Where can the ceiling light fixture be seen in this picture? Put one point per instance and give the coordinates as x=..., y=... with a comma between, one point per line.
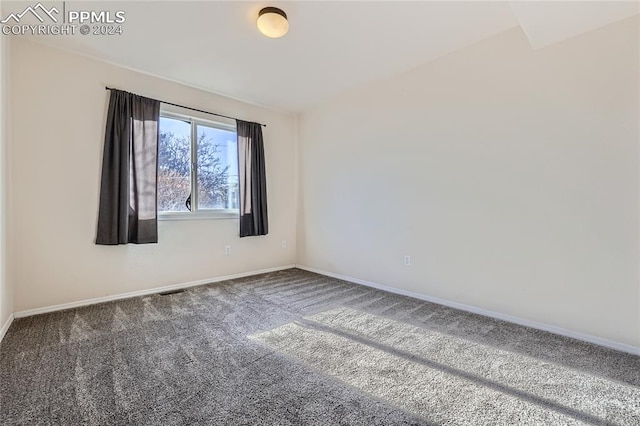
x=272, y=22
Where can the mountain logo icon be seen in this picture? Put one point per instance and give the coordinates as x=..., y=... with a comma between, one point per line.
x=38, y=11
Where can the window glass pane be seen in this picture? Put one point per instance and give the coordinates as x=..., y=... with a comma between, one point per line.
x=174, y=165
x=217, y=168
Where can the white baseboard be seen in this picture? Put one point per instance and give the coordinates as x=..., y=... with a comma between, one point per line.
x=623, y=347
x=87, y=302
x=5, y=327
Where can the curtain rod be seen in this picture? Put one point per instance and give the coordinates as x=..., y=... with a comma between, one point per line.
x=192, y=109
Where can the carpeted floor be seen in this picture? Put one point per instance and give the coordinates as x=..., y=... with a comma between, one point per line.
x=295, y=348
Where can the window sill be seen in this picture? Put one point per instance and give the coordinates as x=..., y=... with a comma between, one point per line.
x=201, y=215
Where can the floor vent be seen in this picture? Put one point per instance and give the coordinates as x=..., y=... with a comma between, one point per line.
x=168, y=293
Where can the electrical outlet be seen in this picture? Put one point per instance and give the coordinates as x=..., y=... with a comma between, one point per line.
x=227, y=250
x=284, y=243
x=407, y=261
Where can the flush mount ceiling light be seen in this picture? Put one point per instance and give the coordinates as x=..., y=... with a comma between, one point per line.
x=272, y=22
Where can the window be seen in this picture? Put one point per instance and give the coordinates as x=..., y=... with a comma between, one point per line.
x=197, y=168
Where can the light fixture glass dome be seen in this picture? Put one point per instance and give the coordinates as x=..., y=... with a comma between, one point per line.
x=272, y=22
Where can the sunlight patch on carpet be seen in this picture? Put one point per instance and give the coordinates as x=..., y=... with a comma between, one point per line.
x=443, y=378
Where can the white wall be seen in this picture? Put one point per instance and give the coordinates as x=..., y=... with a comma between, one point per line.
x=58, y=118
x=6, y=293
x=510, y=176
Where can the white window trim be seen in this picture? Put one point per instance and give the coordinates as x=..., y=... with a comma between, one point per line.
x=198, y=214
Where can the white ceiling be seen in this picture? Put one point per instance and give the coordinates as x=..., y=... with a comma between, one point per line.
x=549, y=22
x=331, y=47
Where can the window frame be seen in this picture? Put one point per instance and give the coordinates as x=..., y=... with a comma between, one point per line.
x=196, y=213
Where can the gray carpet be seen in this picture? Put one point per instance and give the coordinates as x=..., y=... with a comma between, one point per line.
x=295, y=348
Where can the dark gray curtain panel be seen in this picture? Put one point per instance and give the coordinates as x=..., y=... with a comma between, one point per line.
x=253, y=180
x=128, y=200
